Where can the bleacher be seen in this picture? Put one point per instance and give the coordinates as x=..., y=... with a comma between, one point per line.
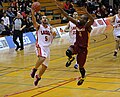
x=49, y=8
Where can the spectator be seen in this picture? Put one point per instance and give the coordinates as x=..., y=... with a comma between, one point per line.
x=98, y=13
x=111, y=11
x=6, y=20
x=3, y=29
x=68, y=7
x=11, y=15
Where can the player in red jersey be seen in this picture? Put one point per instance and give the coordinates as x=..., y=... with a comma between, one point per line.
x=81, y=44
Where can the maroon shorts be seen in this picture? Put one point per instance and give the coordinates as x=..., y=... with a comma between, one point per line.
x=81, y=54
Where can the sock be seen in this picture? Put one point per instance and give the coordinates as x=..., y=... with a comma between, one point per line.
x=82, y=71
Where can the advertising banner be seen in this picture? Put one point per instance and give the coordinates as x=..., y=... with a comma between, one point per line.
x=3, y=43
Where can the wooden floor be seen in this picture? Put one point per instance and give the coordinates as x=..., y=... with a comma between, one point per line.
x=102, y=79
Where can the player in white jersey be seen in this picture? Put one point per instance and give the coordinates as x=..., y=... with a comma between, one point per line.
x=116, y=33
x=45, y=35
x=71, y=28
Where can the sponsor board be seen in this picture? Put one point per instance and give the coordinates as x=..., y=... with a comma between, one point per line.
x=98, y=23
x=28, y=38
x=97, y=31
x=60, y=30
x=3, y=43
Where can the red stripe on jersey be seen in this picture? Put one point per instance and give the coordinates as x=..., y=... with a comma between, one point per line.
x=39, y=51
x=37, y=39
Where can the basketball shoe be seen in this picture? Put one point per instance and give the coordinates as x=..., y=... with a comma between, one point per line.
x=36, y=80
x=76, y=66
x=80, y=82
x=115, y=54
x=33, y=72
x=69, y=61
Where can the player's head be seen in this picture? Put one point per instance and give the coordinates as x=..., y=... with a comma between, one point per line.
x=44, y=20
x=75, y=15
x=119, y=11
x=83, y=19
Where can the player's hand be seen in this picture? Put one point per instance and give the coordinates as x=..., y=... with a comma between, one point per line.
x=32, y=11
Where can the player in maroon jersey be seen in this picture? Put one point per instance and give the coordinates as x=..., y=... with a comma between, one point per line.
x=81, y=44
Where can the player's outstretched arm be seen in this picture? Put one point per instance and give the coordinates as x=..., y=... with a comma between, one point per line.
x=65, y=14
x=91, y=21
x=67, y=28
x=35, y=24
x=53, y=32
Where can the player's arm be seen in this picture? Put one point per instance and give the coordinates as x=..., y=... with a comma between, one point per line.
x=67, y=27
x=91, y=19
x=113, y=21
x=52, y=31
x=65, y=14
x=35, y=24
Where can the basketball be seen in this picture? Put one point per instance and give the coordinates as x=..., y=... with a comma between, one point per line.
x=36, y=6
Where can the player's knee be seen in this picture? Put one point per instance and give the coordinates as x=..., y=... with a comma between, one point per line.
x=68, y=53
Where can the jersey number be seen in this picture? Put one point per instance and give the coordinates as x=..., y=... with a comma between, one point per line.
x=46, y=38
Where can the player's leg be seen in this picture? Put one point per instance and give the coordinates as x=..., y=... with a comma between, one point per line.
x=41, y=58
x=117, y=46
x=69, y=53
x=41, y=72
x=43, y=67
x=38, y=63
x=81, y=59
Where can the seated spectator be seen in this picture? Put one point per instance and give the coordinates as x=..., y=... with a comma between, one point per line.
x=111, y=11
x=98, y=13
x=104, y=11
x=6, y=20
x=68, y=7
x=4, y=29
x=11, y=15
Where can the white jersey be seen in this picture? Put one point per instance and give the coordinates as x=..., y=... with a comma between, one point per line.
x=44, y=36
x=72, y=32
x=117, y=24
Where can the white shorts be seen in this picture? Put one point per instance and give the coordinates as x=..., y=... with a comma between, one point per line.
x=43, y=52
x=116, y=34
x=72, y=40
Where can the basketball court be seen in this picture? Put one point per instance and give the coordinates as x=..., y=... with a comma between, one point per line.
x=102, y=78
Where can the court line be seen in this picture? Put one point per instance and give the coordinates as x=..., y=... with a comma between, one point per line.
x=63, y=83
x=55, y=59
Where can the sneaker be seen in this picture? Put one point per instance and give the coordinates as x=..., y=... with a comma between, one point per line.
x=17, y=48
x=115, y=54
x=76, y=66
x=33, y=72
x=80, y=82
x=36, y=80
x=21, y=49
x=69, y=61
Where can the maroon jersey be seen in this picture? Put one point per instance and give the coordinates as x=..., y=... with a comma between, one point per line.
x=82, y=37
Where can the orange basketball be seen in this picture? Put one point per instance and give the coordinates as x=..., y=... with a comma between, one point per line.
x=36, y=6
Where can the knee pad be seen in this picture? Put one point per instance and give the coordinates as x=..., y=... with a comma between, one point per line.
x=68, y=53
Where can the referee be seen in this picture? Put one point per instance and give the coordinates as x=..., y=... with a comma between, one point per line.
x=18, y=26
